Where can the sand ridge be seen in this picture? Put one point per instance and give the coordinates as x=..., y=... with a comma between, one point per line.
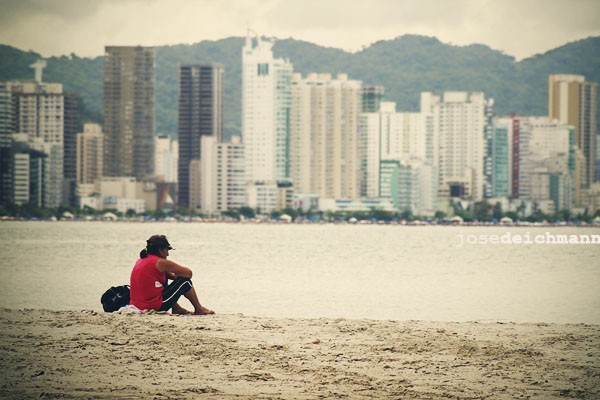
x=86, y=354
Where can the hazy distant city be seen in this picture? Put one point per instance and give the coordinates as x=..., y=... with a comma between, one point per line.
x=311, y=146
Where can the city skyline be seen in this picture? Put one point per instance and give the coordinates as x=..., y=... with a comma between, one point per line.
x=84, y=28
x=267, y=118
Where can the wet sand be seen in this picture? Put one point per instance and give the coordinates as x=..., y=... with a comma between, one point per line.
x=72, y=354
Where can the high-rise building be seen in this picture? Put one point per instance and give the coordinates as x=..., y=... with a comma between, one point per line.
x=71, y=129
x=324, y=135
x=371, y=97
x=489, y=154
x=391, y=135
x=552, y=153
x=459, y=121
x=500, y=159
x=223, y=184
x=6, y=131
x=200, y=114
x=266, y=91
x=90, y=152
x=39, y=113
x=410, y=185
x=167, y=151
x=573, y=101
x=516, y=156
x=129, y=112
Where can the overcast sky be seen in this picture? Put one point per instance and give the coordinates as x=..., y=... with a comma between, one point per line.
x=520, y=28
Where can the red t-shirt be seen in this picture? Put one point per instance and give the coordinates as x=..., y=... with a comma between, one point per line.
x=146, y=284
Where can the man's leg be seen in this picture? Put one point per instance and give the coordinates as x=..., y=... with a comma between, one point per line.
x=199, y=309
x=182, y=286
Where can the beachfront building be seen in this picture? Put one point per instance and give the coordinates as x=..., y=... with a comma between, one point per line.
x=459, y=120
x=305, y=202
x=489, y=152
x=195, y=181
x=552, y=160
x=391, y=135
x=573, y=101
x=499, y=162
x=200, y=113
x=266, y=106
x=27, y=168
x=6, y=132
x=166, y=159
x=124, y=194
x=39, y=113
x=410, y=185
x=129, y=112
x=349, y=205
x=266, y=90
x=49, y=118
x=261, y=196
x=519, y=135
x=90, y=159
x=323, y=135
x=222, y=184
x=70, y=131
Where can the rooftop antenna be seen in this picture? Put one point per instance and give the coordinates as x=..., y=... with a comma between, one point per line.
x=38, y=66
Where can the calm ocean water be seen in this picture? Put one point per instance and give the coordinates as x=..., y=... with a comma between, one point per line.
x=346, y=271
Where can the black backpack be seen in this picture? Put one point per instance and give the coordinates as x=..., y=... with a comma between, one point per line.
x=115, y=298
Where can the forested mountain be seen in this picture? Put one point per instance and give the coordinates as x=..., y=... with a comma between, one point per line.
x=405, y=66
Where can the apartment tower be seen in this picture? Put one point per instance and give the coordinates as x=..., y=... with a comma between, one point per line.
x=200, y=114
x=129, y=111
x=324, y=135
x=459, y=122
x=89, y=165
x=266, y=91
x=39, y=114
x=572, y=101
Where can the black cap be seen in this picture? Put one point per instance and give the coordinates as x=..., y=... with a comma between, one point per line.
x=159, y=241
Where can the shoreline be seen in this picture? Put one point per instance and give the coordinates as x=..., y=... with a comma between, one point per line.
x=86, y=354
x=416, y=223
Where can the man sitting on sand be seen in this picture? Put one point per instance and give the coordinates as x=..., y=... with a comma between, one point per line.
x=149, y=289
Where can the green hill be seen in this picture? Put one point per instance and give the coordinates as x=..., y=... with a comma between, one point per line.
x=405, y=66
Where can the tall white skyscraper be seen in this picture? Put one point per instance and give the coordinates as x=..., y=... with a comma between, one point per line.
x=266, y=89
x=459, y=122
x=324, y=135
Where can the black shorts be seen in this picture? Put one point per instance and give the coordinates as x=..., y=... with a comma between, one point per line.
x=172, y=292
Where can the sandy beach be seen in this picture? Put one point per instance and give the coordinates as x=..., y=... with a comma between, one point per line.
x=86, y=354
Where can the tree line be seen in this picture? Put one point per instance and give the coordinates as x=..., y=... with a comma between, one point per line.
x=481, y=211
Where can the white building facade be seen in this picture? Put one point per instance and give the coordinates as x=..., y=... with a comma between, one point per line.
x=166, y=159
x=266, y=89
x=324, y=135
x=222, y=175
x=459, y=120
x=552, y=153
x=39, y=113
x=90, y=145
x=396, y=158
